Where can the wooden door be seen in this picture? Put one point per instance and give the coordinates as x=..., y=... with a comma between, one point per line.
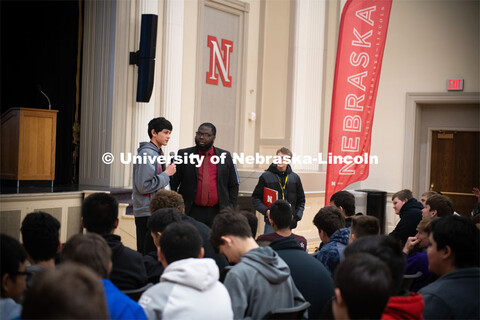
x=454, y=169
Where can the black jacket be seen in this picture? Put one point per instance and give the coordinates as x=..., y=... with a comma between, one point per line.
x=310, y=275
x=293, y=191
x=410, y=216
x=128, y=271
x=185, y=180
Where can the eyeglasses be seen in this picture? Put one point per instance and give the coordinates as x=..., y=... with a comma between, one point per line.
x=203, y=134
x=22, y=273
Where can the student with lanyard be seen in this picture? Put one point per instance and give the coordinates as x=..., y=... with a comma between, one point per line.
x=280, y=178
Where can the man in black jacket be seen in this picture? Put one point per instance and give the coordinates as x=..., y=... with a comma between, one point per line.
x=100, y=215
x=410, y=211
x=281, y=178
x=207, y=186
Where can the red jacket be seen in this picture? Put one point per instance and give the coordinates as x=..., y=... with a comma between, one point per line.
x=410, y=307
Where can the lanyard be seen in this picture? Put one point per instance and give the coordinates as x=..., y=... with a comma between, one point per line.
x=282, y=187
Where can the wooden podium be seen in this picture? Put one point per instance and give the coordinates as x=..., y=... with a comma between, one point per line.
x=28, y=139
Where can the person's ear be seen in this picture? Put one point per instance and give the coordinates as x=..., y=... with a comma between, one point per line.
x=447, y=253
x=83, y=224
x=153, y=133
x=110, y=266
x=434, y=213
x=338, y=298
x=342, y=210
x=339, y=308
x=161, y=257
x=5, y=281
x=352, y=236
x=227, y=240
x=115, y=225
x=156, y=238
x=271, y=222
x=59, y=248
x=201, y=254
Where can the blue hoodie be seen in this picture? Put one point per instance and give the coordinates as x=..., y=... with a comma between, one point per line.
x=331, y=253
x=120, y=306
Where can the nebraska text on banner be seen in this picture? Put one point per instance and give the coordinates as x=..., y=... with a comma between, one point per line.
x=363, y=31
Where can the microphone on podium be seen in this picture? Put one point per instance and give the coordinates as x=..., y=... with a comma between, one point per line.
x=39, y=87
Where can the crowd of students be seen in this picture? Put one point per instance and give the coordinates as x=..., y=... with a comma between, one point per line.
x=428, y=267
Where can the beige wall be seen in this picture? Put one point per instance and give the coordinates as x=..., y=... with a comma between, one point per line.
x=427, y=43
x=64, y=206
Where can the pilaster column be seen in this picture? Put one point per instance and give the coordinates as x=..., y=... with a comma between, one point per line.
x=308, y=79
x=172, y=66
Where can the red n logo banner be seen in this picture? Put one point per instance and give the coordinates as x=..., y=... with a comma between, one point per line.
x=363, y=32
x=219, y=62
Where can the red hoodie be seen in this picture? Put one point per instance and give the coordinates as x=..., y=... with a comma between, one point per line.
x=410, y=307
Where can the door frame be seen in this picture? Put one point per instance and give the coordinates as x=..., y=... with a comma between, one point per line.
x=429, y=150
x=411, y=152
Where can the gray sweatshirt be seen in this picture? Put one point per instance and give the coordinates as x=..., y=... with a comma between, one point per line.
x=146, y=179
x=260, y=283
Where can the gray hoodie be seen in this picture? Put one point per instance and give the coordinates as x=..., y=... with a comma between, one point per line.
x=146, y=179
x=260, y=283
x=188, y=289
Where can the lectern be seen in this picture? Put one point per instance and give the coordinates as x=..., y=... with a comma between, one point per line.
x=28, y=139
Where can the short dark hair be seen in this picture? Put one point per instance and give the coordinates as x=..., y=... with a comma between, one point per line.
x=386, y=248
x=40, y=235
x=180, y=240
x=365, y=285
x=99, y=212
x=252, y=221
x=461, y=235
x=88, y=249
x=346, y=200
x=329, y=219
x=281, y=213
x=442, y=204
x=285, y=151
x=209, y=125
x=158, y=124
x=12, y=254
x=161, y=218
x=167, y=199
x=403, y=194
x=365, y=226
x=229, y=222
x=70, y=291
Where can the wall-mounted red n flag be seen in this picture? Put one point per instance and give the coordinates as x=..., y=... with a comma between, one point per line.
x=363, y=32
x=219, y=62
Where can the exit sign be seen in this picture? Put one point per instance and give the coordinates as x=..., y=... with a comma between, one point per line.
x=455, y=84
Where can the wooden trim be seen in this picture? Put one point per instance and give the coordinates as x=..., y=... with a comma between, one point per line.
x=412, y=115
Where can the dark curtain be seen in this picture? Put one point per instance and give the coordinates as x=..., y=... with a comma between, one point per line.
x=39, y=46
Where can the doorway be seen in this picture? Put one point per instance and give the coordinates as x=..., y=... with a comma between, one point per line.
x=454, y=167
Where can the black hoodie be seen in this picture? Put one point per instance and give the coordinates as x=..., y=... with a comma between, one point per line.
x=294, y=194
x=128, y=270
x=410, y=216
